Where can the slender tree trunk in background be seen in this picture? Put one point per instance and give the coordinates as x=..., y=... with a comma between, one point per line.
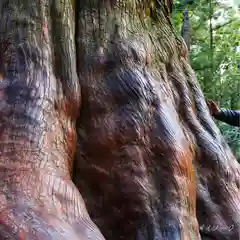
x=39, y=103
x=185, y=31
x=211, y=44
x=149, y=154
x=208, y=78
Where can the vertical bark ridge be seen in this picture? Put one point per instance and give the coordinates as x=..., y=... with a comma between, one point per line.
x=63, y=33
x=218, y=173
x=38, y=137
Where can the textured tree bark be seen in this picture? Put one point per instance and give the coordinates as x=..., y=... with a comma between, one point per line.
x=39, y=103
x=151, y=163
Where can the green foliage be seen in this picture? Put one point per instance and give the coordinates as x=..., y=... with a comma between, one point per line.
x=232, y=136
x=215, y=55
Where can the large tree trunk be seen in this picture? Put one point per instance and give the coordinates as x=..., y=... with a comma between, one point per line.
x=39, y=103
x=151, y=163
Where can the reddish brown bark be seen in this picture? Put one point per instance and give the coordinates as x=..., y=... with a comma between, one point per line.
x=151, y=162
x=39, y=102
